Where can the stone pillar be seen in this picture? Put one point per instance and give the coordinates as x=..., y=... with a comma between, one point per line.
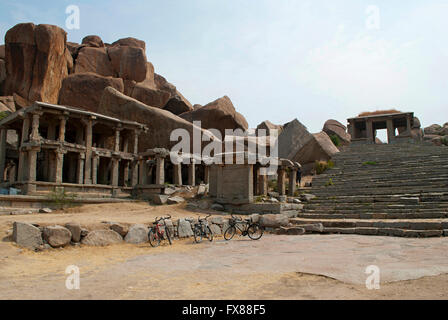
x=281, y=181
x=262, y=185
x=3, y=133
x=59, y=154
x=390, y=130
x=117, y=140
x=35, y=127
x=134, y=173
x=177, y=172
x=31, y=165
x=80, y=169
x=114, y=173
x=408, y=125
x=369, y=131
x=62, y=124
x=206, y=174
x=192, y=173
x=88, y=162
x=135, y=146
x=292, y=181
x=94, y=168
x=125, y=173
x=22, y=154
x=25, y=129
x=30, y=171
x=142, y=171
x=160, y=170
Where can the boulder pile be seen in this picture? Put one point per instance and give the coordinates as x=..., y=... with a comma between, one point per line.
x=37, y=63
x=436, y=134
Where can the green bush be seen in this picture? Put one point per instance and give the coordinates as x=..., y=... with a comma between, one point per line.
x=272, y=185
x=370, y=163
x=321, y=166
x=336, y=140
x=3, y=114
x=61, y=199
x=445, y=141
x=329, y=183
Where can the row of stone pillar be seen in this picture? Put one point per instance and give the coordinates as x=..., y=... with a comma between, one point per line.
x=262, y=182
x=177, y=172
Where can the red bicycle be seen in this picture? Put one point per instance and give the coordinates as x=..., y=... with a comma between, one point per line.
x=159, y=231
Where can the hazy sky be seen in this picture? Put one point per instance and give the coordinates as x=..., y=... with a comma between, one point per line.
x=279, y=60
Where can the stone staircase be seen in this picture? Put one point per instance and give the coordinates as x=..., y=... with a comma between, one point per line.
x=392, y=190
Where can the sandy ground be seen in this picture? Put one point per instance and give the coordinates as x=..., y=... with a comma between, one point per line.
x=275, y=267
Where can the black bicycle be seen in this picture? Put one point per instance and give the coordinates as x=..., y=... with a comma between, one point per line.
x=159, y=231
x=247, y=228
x=201, y=229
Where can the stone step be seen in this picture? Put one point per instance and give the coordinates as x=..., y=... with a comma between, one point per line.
x=334, y=191
x=374, y=215
x=402, y=228
x=416, y=224
x=392, y=209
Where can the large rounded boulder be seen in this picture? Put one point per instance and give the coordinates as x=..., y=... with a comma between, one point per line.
x=84, y=90
x=36, y=61
x=335, y=128
x=219, y=114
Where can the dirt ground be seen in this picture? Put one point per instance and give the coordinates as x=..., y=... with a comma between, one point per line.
x=271, y=268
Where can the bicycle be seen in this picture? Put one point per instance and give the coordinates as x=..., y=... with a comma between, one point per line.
x=247, y=228
x=202, y=229
x=157, y=233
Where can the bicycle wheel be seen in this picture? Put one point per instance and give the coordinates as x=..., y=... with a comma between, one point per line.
x=229, y=233
x=154, y=239
x=254, y=231
x=209, y=233
x=197, y=234
x=168, y=235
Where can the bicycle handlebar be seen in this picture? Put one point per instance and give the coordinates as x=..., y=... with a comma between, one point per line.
x=203, y=219
x=162, y=218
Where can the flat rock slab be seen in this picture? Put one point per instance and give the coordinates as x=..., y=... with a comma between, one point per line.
x=341, y=257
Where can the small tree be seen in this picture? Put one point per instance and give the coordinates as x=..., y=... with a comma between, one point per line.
x=336, y=140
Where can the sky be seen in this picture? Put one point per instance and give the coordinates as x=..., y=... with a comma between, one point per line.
x=278, y=59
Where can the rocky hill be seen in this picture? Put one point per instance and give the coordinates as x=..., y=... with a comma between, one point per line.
x=38, y=64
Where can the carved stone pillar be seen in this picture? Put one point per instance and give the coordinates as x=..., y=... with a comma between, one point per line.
x=114, y=173
x=390, y=130
x=62, y=124
x=262, y=185
x=3, y=133
x=80, y=169
x=59, y=161
x=206, y=174
x=35, y=127
x=177, y=172
x=160, y=170
x=88, y=162
x=369, y=132
x=142, y=171
x=192, y=173
x=22, y=153
x=134, y=173
x=281, y=181
x=95, y=160
x=292, y=181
